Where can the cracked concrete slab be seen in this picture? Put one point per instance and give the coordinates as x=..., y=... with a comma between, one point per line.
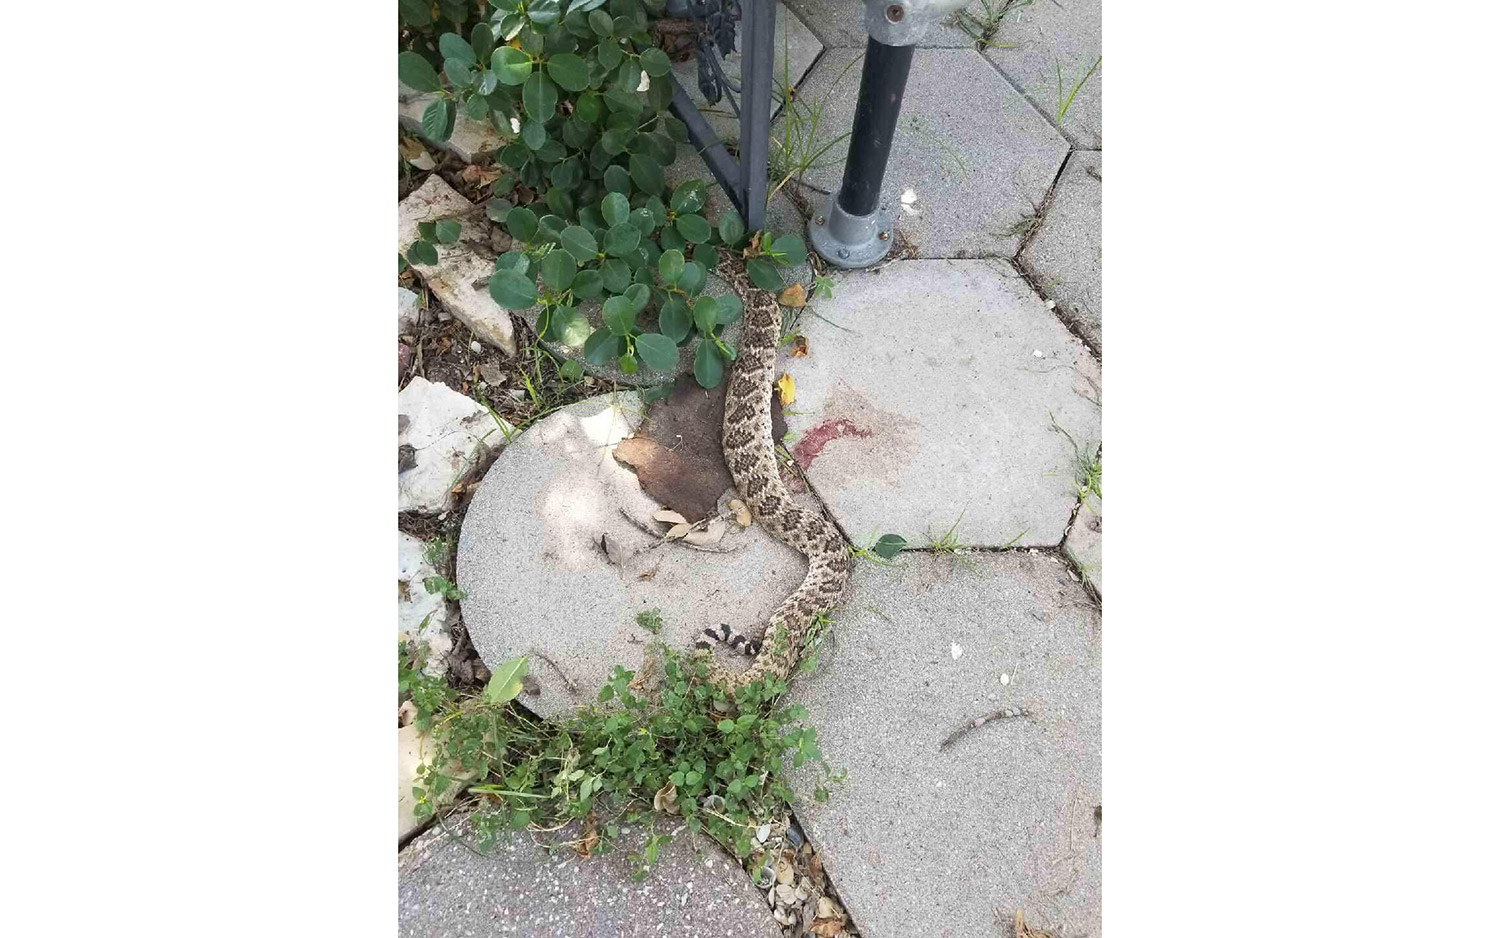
x=930, y=390
x=923, y=839
x=1044, y=40
x=977, y=155
x=1065, y=255
x=460, y=278
x=522, y=889
x=538, y=581
x=796, y=48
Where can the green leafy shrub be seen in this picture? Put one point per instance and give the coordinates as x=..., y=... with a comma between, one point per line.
x=580, y=92
x=722, y=772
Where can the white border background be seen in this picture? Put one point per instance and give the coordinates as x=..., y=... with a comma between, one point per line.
x=1300, y=420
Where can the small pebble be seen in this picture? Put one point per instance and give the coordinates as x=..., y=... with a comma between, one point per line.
x=476, y=348
x=1051, y=304
x=1005, y=679
x=762, y=832
x=1037, y=353
x=956, y=652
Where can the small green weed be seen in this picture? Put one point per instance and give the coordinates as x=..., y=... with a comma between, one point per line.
x=1088, y=465
x=948, y=543
x=682, y=748
x=428, y=694
x=444, y=587
x=650, y=620
x=984, y=26
x=799, y=148
x=822, y=287
x=1062, y=103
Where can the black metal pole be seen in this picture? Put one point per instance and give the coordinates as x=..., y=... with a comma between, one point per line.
x=881, y=87
x=757, y=63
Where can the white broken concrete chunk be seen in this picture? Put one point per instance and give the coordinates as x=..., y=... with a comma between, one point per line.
x=414, y=605
x=470, y=138
x=460, y=278
x=408, y=312
x=447, y=433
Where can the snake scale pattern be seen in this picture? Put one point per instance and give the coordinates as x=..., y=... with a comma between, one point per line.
x=749, y=453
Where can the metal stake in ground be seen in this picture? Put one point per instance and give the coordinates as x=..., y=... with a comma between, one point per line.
x=855, y=227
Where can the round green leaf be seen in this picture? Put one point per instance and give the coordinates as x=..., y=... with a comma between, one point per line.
x=534, y=134
x=513, y=260
x=655, y=62
x=619, y=315
x=511, y=65
x=557, y=269
x=647, y=173
x=512, y=290
x=601, y=24
x=707, y=255
x=731, y=228
x=673, y=319
x=610, y=54
x=437, y=120
x=615, y=208
x=731, y=308
x=669, y=239
x=639, y=294
x=539, y=95
x=621, y=240
x=588, y=108
x=459, y=73
x=688, y=197
x=763, y=274
x=789, y=249
x=628, y=364
x=544, y=12
x=482, y=40
x=579, y=243
x=521, y=223
x=569, y=71
x=708, y=367
x=488, y=82
x=447, y=230
x=453, y=46
x=588, y=284
x=423, y=252
x=670, y=266
x=615, y=140
x=477, y=107
x=567, y=326
x=644, y=220
x=889, y=545
x=693, y=278
x=561, y=202
x=694, y=228
x=616, y=179
x=415, y=12
x=657, y=351
x=705, y=314
x=601, y=346
x=571, y=370
x=416, y=73
x=616, y=274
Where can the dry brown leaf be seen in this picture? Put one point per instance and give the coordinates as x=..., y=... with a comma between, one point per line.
x=416, y=154
x=590, y=839
x=480, y=175
x=1026, y=931
x=827, y=908
x=794, y=296
x=826, y=927
x=668, y=516
x=649, y=575
x=815, y=869
x=666, y=799
x=799, y=346
x=787, y=389
x=706, y=538
x=678, y=530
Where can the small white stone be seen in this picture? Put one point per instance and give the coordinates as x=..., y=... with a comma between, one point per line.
x=1051, y=304
x=476, y=348
x=762, y=832
x=1005, y=679
x=515, y=125
x=1036, y=353
x=956, y=652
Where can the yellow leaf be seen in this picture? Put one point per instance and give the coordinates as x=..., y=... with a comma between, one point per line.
x=793, y=295
x=788, y=389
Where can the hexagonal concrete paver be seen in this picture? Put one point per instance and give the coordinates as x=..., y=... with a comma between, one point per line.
x=1045, y=39
x=1065, y=255
x=977, y=155
x=538, y=580
x=522, y=889
x=841, y=24
x=796, y=48
x=930, y=391
x=944, y=841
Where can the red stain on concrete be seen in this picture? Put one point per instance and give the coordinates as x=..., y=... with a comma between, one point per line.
x=813, y=441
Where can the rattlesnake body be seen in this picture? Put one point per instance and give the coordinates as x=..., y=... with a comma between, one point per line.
x=751, y=458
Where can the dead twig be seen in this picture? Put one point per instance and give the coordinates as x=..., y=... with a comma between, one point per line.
x=567, y=682
x=1004, y=713
x=695, y=526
